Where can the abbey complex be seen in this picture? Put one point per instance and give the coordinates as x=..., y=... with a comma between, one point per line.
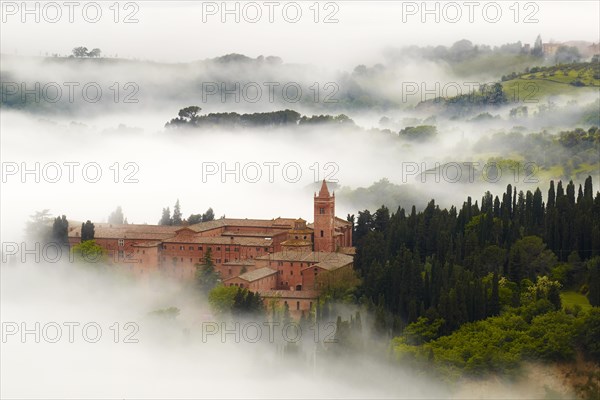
x=284, y=259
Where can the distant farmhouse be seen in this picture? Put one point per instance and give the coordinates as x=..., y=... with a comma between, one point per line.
x=586, y=49
x=286, y=260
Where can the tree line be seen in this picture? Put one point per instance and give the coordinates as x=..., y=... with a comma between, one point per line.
x=463, y=265
x=177, y=220
x=189, y=117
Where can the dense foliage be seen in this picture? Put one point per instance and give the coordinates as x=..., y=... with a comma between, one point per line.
x=235, y=300
x=189, y=118
x=500, y=344
x=466, y=265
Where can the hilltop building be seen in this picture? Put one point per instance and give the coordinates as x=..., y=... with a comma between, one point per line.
x=284, y=259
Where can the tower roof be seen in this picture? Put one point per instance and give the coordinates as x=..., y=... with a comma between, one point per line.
x=324, y=192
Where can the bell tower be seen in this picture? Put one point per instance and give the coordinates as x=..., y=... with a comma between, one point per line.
x=324, y=222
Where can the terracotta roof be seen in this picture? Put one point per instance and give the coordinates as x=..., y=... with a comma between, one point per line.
x=347, y=250
x=129, y=231
x=341, y=222
x=222, y=240
x=245, y=222
x=283, y=222
x=246, y=261
x=257, y=274
x=306, y=231
x=338, y=223
x=148, y=244
x=269, y=233
x=296, y=242
x=322, y=259
x=334, y=261
x=290, y=294
x=324, y=192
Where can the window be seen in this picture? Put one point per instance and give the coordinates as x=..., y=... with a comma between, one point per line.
x=321, y=210
x=200, y=248
x=297, y=305
x=266, y=249
x=230, y=271
x=121, y=242
x=258, y=249
x=236, y=249
x=218, y=261
x=143, y=251
x=181, y=259
x=322, y=233
x=291, y=272
x=227, y=260
x=280, y=263
x=191, y=247
x=121, y=254
x=227, y=248
x=180, y=247
x=191, y=259
x=164, y=246
x=218, y=248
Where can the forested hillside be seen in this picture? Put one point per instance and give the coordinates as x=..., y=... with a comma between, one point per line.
x=463, y=265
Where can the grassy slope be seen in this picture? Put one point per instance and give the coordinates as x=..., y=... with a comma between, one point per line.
x=495, y=65
x=552, y=81
x=570, y=298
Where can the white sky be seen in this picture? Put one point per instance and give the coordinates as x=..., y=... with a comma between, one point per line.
x=175, y=31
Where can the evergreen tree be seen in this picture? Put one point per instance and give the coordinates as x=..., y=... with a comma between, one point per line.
x=116, y=217
x=554, y=297
x=39, y=227
x=593, y=295
x=538, y=49
x=60, y=231
x=87, y=231
x=437, y=262
x=176, y=220
x=286, y=314
x=166, y=217
x=381, y=219
x=206, y=275
x=209, y=215
x=364, y=225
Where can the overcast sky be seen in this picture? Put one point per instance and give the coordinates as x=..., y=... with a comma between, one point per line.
x=192, y=30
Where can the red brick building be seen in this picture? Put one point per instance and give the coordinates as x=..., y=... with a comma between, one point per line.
x=278, y=258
